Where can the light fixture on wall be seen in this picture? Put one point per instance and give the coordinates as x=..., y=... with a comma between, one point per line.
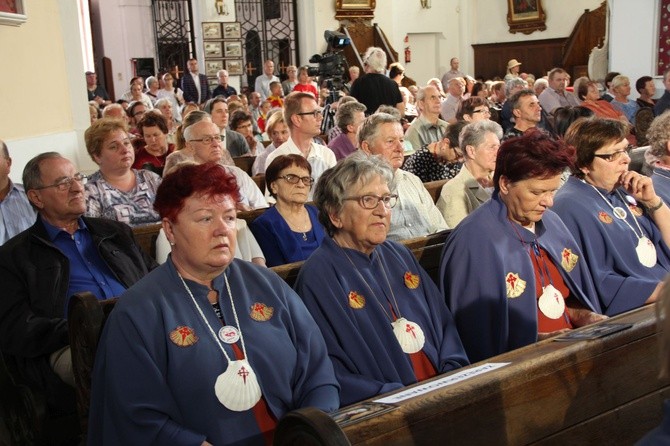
x=425, y=4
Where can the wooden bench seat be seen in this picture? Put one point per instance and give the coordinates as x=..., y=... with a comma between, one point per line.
x=601, y=391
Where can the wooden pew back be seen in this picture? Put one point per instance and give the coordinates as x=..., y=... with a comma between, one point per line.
x=146, y=236
x=434, y=188
x=600, y=391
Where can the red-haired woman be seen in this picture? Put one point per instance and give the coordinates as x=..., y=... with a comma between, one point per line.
x=530, y=278
x=207, y=350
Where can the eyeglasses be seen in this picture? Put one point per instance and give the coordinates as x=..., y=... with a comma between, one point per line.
x=614, y=156
x=372, y=201
x=484, y=111
x=293, y=179
x=66, y=183
x=208, y=139
x=316, y=113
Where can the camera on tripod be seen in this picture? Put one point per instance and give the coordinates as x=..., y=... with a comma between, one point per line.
x=332, y=64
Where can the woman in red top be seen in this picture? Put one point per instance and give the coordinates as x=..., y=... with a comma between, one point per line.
x=304, y=83
x=154, y=130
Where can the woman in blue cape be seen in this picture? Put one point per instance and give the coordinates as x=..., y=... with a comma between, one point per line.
x=383, y=318
x=511, y=272
x=207, y=349
x=620, y=223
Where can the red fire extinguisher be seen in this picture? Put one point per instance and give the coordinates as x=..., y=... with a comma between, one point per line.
x=408, y=52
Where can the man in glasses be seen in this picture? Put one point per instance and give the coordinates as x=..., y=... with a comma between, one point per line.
x=62, y=253
x=303, y=117
x=415, y=214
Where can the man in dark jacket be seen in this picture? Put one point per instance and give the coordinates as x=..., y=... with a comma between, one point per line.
x=40, y=268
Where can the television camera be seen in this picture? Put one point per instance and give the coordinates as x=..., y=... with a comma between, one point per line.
x=332, y=64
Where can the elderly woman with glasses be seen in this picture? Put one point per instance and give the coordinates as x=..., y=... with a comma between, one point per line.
x=385, y=323
x=290, y=230
x=621, y=224
x=117, y=191
x=511, y=273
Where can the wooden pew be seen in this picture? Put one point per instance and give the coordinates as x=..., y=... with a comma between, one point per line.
x=146, y=238
x=434, y=188
x=86, y=317
x=260, y=181
x=426, y=249
x=601, y=391
x=245, y=163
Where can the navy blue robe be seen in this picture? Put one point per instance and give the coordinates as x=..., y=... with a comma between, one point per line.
x=661, y=180
x=608, y=244
x=365, y=353
x=488, y=279
x=147, y=389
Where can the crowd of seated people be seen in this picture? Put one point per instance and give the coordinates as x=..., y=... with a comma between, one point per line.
x=512, y=271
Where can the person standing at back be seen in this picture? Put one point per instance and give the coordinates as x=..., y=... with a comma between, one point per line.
x=262, y=85
x=374, y=88
x=195, y=85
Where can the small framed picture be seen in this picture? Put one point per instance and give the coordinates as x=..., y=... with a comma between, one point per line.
x=232, y=30
x=213, y=49
x=213, y=82
x=232, y=49
x=212, y=67
x=211, y=30
x=234, y=67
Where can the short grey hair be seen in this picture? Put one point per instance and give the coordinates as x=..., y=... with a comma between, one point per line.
x=659, y=135
x=335, y=184
x=369, y=131
x=108, y=111
x=151, y=80
x=159, y=103
x=514, y=83
x=473, y=134
x=32, y=176
x=375, y=58
x=346, y=112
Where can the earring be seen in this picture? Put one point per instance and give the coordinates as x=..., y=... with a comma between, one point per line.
x=172, y=243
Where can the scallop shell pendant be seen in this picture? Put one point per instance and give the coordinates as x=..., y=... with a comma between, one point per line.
x=237, y=388
x=551, y=302
x=409, y=335
x=646, y=252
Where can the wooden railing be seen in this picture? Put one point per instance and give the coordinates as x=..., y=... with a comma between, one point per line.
x=600, y=391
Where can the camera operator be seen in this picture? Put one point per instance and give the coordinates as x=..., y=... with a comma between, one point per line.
x=374, y=88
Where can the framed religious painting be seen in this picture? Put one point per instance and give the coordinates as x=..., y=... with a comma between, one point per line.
x=213, y=49
x=234, y=67
x=12, y=12
x=232, y=49
x=232, y=30
x=212, y=67
x=525, y=16
x=211, y=30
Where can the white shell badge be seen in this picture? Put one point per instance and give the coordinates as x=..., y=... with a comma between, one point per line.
x=237, y=388
x=551, y=302
x=409, y=335
x=646, y=252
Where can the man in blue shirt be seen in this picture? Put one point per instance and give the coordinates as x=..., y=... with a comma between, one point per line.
x=16, y=213
x=60, y=254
